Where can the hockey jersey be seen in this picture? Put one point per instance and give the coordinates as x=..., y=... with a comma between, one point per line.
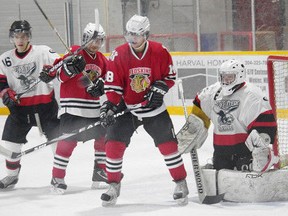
x=236, y=115
x=74, y=98
x=21, y=73
x=129, y=76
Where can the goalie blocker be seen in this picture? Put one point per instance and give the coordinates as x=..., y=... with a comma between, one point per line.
x=192, y=135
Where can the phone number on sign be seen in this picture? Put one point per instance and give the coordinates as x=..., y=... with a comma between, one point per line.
x=255, y=62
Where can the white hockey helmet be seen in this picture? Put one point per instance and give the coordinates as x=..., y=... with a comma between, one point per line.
x=231, y=74
x=89, y=32
x=138, y=25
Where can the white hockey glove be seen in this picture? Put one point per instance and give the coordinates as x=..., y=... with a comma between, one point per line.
x=263, y=156
x=192, y=135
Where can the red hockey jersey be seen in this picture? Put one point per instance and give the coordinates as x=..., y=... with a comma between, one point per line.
x=130, y=76
x=74, y=98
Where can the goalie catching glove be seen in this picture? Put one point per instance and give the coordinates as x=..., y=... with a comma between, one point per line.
x=156, y=93
x=192, y=135
x=107, y=111
x=263, y=156
x=74, y=65
x=96, y=89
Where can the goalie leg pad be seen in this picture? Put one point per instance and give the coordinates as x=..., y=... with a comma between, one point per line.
x=250, y=187
x=192, y=135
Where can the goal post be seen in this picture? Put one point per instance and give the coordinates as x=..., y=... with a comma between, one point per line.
x=277, y=70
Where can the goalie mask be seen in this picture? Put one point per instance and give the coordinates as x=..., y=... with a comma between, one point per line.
x=231, y=74
x=137, y=28
x=20, y=26
x=89, y=32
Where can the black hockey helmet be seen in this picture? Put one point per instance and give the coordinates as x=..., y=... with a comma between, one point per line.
x=20, y=26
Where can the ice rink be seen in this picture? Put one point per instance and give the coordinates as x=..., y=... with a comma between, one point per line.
x=146, y=188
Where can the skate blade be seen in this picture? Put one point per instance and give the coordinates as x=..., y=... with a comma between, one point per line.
x=8, y=188
x=56, y=191
x=110, y=203
x=182, y=201
x=99, y=185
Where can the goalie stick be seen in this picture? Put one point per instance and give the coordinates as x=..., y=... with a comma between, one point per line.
x=199, y=179
x=14, y=155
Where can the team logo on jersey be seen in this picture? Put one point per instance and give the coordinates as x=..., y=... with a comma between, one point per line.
x=139, y=78
x=23, y=73
x=93, y=71
x=223, y=109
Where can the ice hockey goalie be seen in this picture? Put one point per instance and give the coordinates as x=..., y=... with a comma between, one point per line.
x=243, y=135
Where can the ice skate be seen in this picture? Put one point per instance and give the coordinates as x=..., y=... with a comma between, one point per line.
x=58, y=186
x=181, y=192
x=110, y=197
x=99, y=179
x=9, y=182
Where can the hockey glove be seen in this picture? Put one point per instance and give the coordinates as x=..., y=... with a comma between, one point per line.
x=74, y=65
x=9, y=98
x=45, y=75
x=107, y=111
x=96, y=89
x=156, y=93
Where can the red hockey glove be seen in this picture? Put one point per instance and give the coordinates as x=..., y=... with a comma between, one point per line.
x=45, y=75
x=9, y=97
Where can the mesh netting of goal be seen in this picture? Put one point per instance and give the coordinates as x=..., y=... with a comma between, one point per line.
x=277, y=68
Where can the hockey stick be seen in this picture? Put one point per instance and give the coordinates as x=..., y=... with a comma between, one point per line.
x=8, y=153
x=28, y=90
x=83, y=46
x=199, y=178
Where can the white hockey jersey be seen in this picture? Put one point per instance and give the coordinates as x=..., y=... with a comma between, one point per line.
x=22, y=72
x=234, y=116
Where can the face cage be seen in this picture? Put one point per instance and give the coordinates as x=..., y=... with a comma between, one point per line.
x=227, y=79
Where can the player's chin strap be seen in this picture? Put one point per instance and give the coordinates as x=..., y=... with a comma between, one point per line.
x=199, y=178
x=7, y=153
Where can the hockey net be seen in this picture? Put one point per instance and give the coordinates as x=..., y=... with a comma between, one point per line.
x=277, y=67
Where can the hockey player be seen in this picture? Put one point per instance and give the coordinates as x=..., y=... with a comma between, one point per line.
x=244, y=125
x=140, y=71
x=19, y=71
x=81, y=86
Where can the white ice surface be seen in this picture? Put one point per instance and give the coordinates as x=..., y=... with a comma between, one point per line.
x=146, y=188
